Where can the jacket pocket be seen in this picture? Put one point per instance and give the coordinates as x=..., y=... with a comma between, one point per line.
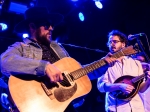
x=27, y=52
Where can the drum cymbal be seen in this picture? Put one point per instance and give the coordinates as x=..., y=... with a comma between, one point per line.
x=3, y=84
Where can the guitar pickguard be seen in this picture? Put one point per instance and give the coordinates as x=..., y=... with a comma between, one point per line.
x=62, y=91
x=62, y=94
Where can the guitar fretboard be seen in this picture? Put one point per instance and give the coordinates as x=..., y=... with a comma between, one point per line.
x=93, y=66
x=136, y=79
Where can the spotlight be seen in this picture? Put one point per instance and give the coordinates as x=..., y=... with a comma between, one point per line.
x=25, y=35
x=98, y=4
x=81, y=16
x=74, y=0
x=3, y=26
x=32, y=4
x=1, y=3
x=17, y=8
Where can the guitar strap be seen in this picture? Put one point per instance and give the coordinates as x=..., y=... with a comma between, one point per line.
x=59, y=50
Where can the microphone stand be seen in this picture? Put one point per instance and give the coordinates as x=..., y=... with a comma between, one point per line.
x=96, y=50
x=142, y=49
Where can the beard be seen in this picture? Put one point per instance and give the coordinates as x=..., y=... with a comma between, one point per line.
x=114, y=49
x=43, y=39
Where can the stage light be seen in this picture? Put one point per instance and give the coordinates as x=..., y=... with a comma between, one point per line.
x=17, y=8
x=81, y=16
x=74, y=0
x=25, y=35
x=98, y=4
x=32, y=4
x=3, y=26
x=78, y=103
x=1, y=3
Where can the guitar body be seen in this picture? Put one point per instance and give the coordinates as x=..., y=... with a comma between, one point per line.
x=127, y=80
x=30, y=96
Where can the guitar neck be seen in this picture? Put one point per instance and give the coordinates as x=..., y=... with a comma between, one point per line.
x=93, y=66
x=138, y=78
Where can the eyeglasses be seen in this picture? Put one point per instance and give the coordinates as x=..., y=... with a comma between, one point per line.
x=113, y=41
x=46, y=25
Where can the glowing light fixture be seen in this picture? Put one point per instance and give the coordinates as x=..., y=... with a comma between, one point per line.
x=98, y=4
x=81, y=16
x=25, y=35
x=17, y=8
x=3, y=26
x=1, y=3
x=74, y=0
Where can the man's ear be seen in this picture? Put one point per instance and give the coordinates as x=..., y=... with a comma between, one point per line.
x=123, y=44
x=32, y=26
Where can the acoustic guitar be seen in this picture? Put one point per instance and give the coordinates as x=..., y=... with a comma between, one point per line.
x=38, y=94
x=131, y=80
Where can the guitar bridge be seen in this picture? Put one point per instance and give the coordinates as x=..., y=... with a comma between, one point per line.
x=47, y=91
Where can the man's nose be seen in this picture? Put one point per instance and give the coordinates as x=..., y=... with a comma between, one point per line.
x=50, y=28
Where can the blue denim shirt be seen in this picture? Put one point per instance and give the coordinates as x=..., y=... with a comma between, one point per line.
x=26, y=58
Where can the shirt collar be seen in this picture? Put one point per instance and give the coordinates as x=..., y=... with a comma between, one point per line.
x=123, y=58
x=29, y=41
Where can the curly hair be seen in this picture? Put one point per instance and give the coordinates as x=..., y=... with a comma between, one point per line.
x=122, y=37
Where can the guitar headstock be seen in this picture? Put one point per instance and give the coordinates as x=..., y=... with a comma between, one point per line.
x=129, y=50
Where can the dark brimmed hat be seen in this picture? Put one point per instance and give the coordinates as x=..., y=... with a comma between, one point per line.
x=37, y=15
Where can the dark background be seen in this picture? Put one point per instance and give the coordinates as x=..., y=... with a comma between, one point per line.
x=128, y=16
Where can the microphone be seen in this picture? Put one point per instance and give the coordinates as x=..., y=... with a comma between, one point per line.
x=131, y=37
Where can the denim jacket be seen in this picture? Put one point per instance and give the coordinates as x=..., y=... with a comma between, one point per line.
x=26, y=58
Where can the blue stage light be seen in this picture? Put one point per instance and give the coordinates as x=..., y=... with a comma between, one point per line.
x=3, y=26
x=98, y=4
x=25, y=35
x=81, y=16
x=17, y=8
x=74, y=0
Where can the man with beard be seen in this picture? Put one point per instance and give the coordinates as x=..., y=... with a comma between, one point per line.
x=36, y=54
x=124, y=65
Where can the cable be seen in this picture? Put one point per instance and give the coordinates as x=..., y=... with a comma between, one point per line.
x=147, y=42
x=96, y=50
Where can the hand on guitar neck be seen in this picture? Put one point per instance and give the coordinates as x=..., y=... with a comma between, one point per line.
x=110, y=59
